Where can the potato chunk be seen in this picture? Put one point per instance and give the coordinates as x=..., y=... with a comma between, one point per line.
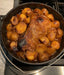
x=51, y=17
x=27, y=11
x=21, y=27
x=41, y=48
x=22, y=17
x=60, y=33
x=13, y=44
x=51, y=36
x=9, y=27
x=55, y=44
x=14, y=36
x=9, y=34
x=14, y=20
x=51, y=51
x=38, y=11
x=31, y=55
x=45, y=11
x=44, y=40
x=56, y=24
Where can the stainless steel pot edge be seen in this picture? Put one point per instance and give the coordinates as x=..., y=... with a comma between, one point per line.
x=29, y=72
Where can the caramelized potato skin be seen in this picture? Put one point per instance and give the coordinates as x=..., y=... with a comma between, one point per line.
x=45, y=11
x=51, y=36
x=60, y=33
x=31, y=55
x=22, y=17
x=14, y=36
x=51, y=51
x=45, y=40
x=27, y=20
x=55, y=44
x=9, y=35
x=41, y=32
x=51, y=17
x=56, y=24
x=14, y=20
x=41, y=48
x=38, y=11
x=13, y=44
x=21, y=27
x=27, y=11
x=9, y=27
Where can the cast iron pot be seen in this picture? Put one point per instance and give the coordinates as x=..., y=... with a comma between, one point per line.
x=32, y=5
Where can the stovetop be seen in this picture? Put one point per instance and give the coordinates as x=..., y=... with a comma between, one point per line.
x=59, y=6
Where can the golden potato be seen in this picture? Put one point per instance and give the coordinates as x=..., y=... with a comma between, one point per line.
x=51, y=51
x=44, y=40
x=41, y=48
x=43, y=57
x=9, y=27
x=45, y=11
x=38, y=11
x=28, y=20
x=27, y=11
x=56, y=24
x=31, y=55
x=52, y=30
x=13, y=44
x=14, y=20
x=21, y=28
x=51, y=17
x=60, y=33
x=14, y=36
x=9, y=34
x=55, y=44
x=22, y=17
x=51, y=36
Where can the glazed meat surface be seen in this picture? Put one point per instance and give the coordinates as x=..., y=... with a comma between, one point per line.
x=37, y=28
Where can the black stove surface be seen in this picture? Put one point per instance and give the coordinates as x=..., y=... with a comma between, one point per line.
x=59, y=6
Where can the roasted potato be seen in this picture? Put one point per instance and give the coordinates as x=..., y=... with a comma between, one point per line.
x=41, y=48
x=22, y=17
x=59, y=33
x=56, y=24
x=27, y=11
x=55, y=44
x=51, y=17
x=51, y=36
x=21, y=27
x=38, y=11
x=9, y=27
x=44, y=40
x=14, y=36
x=27, y=20
x=45, y=11
x=9, y=35
x=51, y=51
x=31, y=55
x=52, y=30
x=14, y=20
x=13, y=44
